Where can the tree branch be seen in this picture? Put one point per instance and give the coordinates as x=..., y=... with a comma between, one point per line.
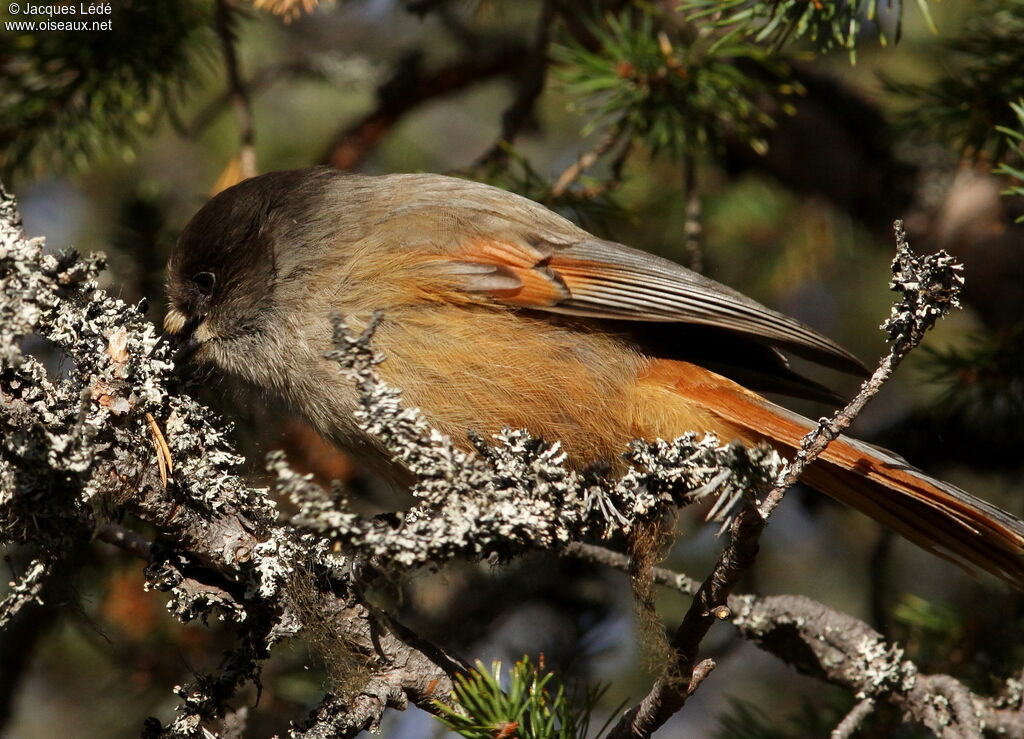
x=851, y=722
x=530, y=85
x=929, y=287
x=585, y=161
x=239, y=93
x=259, y=81
x=75, y=448
x=842, y=650
x=25, y=589
x=410, y=87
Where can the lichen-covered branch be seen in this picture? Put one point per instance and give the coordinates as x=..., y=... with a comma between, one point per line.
x=513, y=496
x=78, y=450
x=843, y=650
x=25, y=590
x=929, y=287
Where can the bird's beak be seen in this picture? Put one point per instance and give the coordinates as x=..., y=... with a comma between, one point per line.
x=174, y=321
x=191, y=332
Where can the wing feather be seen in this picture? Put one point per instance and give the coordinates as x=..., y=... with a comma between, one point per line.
x=592, y=278
x=543, y=262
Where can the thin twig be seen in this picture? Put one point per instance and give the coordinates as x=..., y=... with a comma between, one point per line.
x=829, y=429
x=258, y=82
x=700, y=673
x=409, y=87
x=668, y=695
x=614, y=179
x=586, y=160
x=530, y=87
x=660, y=575
x=930, y=286
x=240, y=99
x=693, y=226
x=852, y=721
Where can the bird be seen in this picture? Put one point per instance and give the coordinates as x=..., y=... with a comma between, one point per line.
x=499, y=313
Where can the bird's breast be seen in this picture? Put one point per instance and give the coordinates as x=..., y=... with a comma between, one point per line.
x=476, y=369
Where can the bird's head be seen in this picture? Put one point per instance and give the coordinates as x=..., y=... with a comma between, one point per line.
x=233, y=261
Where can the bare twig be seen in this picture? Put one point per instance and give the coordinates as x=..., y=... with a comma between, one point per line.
x=614, y=179
x=851, y=722
x=409, y=88
x=669, y=694
x=660, y=575
x=700, y=672
x=529, y=88
x=585, y=161
x=240, y=98
x=258, y=82
x=693, y=226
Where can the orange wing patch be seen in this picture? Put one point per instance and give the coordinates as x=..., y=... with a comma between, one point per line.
x=488, y=250
x=528, y=280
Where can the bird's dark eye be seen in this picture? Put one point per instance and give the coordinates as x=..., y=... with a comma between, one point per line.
x=205, y=282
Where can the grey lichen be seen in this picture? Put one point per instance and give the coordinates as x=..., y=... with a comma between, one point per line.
x=930, y=285
x=883, y=667
x=25, y=590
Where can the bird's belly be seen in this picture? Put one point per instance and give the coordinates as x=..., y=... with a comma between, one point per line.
x=497, y=369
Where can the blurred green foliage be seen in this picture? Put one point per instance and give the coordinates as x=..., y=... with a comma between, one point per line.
x=66, y=99
x=981, y=70
x=1014, y=142
x=826, y=24
x=680, y=93
x=984, y=379
x=743, y=720
x=533, y=705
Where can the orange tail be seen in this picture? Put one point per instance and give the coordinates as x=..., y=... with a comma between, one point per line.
x=935, y=515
